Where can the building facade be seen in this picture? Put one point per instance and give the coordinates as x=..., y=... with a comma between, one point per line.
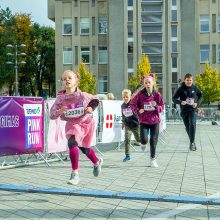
x=110, y=36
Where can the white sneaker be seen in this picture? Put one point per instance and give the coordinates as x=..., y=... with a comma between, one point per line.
x=153, y=162
x=74, y=179
x=143, y=147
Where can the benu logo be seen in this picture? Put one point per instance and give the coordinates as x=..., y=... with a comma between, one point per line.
x=33, y=111
x=109, y=121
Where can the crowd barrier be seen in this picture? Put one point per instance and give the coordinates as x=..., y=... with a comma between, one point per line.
x=25, y=128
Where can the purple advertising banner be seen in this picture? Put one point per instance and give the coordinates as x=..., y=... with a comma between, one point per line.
x=21, y=125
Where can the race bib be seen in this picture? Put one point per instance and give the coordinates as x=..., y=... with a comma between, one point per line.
x=190, y=101
x=148, y=107
x=74, y=111
x=127, y=112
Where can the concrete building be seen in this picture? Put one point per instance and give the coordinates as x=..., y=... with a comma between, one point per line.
x=111, y=35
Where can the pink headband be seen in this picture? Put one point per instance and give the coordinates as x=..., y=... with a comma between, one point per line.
x=150, y=75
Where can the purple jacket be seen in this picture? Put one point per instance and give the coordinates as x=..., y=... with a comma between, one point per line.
x=142, y=101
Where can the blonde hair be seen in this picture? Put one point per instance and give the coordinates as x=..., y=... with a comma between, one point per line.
x=126, y=91
x=70, y=71
x=110, y=96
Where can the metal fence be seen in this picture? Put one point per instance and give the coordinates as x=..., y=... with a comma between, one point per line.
x=203, y=114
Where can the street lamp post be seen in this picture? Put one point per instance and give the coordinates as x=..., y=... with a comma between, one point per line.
x=16, y=61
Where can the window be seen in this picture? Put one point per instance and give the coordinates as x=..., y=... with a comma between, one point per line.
x=174, y=46
x=130, y=61
x=213, y=53
x=93, y=3
x=173, y=2
x=204, y=23
x=130, y=30
x=213, y=23
x=67, y=55
x=85, y=55
x=67, y=26
x=204, y=53
x=103, y=56
x=130, y=2
x=130, y=47
x=219, y=53
x=103, y=25
x=130, y=15
x=174, y=30
x=174, y=62
x=219, y=23
x=76, y=25
x=174, y=77
x=93, y=25
x=103, y=84
x=174, y=15
x=84, y=26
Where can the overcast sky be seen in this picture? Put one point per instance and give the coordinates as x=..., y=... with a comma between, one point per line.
x=37, y=9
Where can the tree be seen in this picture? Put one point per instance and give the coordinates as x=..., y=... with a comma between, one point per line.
x=7, y=36
x=143, y=68
x=38, y=75
x=87, y=81
x=209, y=83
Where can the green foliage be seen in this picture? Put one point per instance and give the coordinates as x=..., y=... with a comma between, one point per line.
x=209, y=83
x=143, y=68
x=38, y=74
x=87, y=81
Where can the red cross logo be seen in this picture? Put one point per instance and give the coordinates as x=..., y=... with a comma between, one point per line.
x=109, y=121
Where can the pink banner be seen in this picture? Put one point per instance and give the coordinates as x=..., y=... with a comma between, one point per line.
x=56, y=139
x=21, y=125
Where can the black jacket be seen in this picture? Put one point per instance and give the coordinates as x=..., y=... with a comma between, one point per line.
x=130, y=121
x=184, y=92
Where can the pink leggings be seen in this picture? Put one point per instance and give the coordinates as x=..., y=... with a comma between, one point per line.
x=74, y=156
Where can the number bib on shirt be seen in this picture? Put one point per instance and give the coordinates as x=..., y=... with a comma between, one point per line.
x=127, y=112
x=148, y=107
x=190, y=101
x=74, y=111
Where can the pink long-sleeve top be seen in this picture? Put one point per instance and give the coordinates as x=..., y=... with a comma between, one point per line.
x=77, y=100
x=78, y=123
x=142, y=101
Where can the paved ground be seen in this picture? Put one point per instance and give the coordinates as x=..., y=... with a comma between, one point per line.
x=180, y=172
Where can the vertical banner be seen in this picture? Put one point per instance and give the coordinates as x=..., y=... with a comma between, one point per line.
x=21, y=125
x=162, y=125
x=56, y=138
x=112, y=120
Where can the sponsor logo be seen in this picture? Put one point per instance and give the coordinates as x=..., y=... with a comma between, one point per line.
x=32, y=109
x=109, y=121
x=113, y=119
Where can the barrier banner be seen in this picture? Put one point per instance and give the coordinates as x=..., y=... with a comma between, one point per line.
x=112, y=131
x=162, y=125
x=21, y=125
x=56, y=138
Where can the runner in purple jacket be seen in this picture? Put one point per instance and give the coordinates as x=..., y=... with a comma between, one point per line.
x=147, y=104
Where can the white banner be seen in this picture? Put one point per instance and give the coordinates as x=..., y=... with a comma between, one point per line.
x=111, y=131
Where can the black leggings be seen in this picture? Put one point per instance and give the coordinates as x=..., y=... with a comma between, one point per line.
x=72, y=143
x=189, y=120
x=154, y=133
